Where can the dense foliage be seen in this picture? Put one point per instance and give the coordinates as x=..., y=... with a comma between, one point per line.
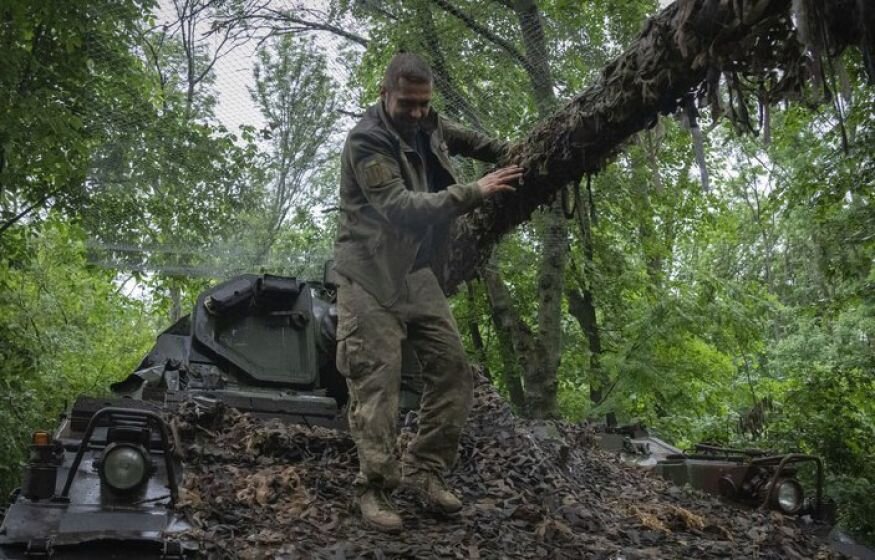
x=743, y=313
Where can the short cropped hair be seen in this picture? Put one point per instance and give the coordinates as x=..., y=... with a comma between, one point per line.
x=409, y=66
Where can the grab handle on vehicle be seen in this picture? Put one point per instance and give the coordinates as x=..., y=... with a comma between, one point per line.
x=783, y=461
x=147, y=416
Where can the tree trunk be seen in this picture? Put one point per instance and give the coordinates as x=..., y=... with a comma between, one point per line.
x=542, y=381
x=651, y=242
x=581, y=305
x=683, y=47
x=474, y=331
x=541, y=375
x=514, y=336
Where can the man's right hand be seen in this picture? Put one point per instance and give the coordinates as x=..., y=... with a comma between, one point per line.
x=500, y=180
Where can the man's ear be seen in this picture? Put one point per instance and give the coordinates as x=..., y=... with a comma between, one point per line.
x=382, y=91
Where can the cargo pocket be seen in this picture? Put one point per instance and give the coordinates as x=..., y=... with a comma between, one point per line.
x=345, y=329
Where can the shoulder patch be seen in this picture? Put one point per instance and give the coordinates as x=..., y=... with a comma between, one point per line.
x=376, y=172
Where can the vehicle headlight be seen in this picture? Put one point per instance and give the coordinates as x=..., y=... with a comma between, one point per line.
x=788, y=496
x=124, y=466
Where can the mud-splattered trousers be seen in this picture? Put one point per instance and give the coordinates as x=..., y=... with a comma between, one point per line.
x=369, y=355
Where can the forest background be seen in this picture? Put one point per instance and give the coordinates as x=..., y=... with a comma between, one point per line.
x=714, y=282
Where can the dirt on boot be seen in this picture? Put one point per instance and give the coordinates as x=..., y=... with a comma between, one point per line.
x=377, y=511
x=432, y=491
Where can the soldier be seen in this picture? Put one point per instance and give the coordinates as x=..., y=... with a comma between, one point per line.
x=398, y=194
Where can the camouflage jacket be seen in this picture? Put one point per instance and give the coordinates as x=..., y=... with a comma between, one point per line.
x=385, y=204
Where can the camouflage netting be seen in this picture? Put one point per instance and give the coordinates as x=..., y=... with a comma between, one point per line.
x=690, y=50
x=261, y=489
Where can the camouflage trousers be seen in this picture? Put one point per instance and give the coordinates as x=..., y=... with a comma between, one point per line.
x=369, y=337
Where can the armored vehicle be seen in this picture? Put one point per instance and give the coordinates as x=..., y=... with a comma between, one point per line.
x=754, y=477
x=110, y=472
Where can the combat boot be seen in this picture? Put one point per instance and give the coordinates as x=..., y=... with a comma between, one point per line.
x=433, y=491
x=377, y=511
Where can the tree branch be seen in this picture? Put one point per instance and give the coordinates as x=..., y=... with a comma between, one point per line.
x=675, y=54
x=318, y=26
x=481, y=30
x=11, y=222
x=278, y=21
